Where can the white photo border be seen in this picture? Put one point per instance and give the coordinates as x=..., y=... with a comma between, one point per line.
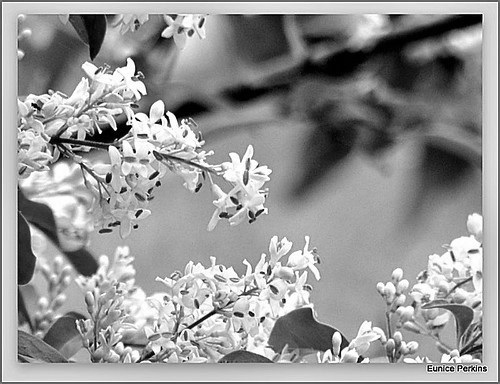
x=13, y=371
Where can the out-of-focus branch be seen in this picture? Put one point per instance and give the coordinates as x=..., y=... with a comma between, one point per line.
x=344, y=60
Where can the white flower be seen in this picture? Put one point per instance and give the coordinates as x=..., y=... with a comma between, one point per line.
x=300, y=260
x=475, y=226
x=130, y=22
x=183, y=26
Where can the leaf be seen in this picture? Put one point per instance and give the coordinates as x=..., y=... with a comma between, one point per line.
x=83, y=261
x=244, y=357
x=26, y=260
x=91, y=29
x=462, y=313
x=23, y=313
x=41, y=216
x=35, y=348
x=299, y=329
x=64, y=336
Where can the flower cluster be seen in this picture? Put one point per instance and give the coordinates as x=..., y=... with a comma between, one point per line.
x=454, y=277
x=109, y=295
x=199, y=316
x=58, y=278
x=180, y=27
x=53, y=124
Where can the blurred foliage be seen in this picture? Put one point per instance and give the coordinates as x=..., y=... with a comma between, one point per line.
x=364, y=84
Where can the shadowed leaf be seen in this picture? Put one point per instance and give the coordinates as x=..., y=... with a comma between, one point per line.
x=244, y=357
x=299, y=329
x=22, y=310
x=41, y=216
x=91, y=29
x=35, y=348
x=462, y=313
x=26, y=260
x=64, y=336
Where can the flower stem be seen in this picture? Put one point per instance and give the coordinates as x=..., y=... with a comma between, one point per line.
x=86, y=143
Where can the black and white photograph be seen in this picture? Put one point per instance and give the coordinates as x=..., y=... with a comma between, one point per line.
x=264, y=188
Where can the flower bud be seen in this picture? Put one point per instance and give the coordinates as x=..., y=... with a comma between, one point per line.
x=381, y=288
x=475, y=226
x=43, y=303
x=411, y=326
x=90, y=301
x=407, y=314
x=66, y=271
x=59, y=300
x=58, y=263
x=65, y=282
x=402, y=286
x=53, y=281
x=454, y=353
x=44, y=325
x=400, y=310
x=119, y=348
x=389, y=292
x=336, y=342
x=401, y=299
x=397, y=275
x=398, y=338
x=390, y=346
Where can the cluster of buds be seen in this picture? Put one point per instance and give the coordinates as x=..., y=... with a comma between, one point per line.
x=109, y=296
x=101, y=333
x=54, y=124
x=58, y=278
x=396, y=348
x=394, y=291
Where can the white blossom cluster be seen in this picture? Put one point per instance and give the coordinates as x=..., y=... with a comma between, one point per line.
x=200, y=315
x=54, y=124
x=455, y=277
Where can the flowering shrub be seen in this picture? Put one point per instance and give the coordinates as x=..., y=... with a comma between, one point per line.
x=205, y=313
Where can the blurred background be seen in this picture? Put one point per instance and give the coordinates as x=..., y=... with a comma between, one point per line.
x=370, y=123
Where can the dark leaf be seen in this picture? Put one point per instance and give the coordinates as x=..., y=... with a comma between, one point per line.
x=22, y=310
x=64, y=336
x=244, y=357
x=326, y=149
x=442, y=172
x=462, y=313
x=91, y=29
x=83, y=261
x=35, y=348
x=41, y=216
x=26, y=260
x=299, y=329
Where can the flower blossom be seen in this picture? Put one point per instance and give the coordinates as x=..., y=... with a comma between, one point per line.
x=183, y=26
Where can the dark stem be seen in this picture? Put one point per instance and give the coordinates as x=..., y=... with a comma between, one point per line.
x=86, y=143
x=202, y=319
x=458, y=285
x=345, y=60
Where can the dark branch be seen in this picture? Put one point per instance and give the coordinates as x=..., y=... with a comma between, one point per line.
x=345, y=60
